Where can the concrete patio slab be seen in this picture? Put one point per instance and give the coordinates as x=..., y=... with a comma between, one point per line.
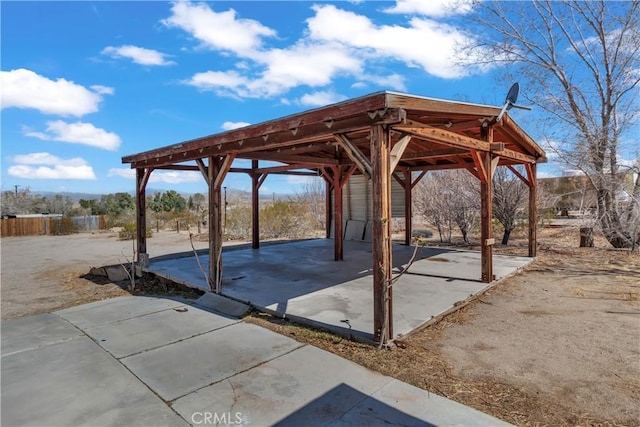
x=127, y=337
x=177, y=369
x=112, y=310
x=300, y=280
x=76, y=383
x=26, y=333
x=284, y=386
x=401, y=404
x=222, y=305
x=240, y=373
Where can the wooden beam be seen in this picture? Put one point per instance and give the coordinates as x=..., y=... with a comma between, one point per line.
x=327, y=207
x=145, y=178
x=215, y=226
x=142, y=177
x=382, y=256
x=354, y=154
x=261, y=179
x=224, y=169
x=255, y=206
x=533, y=211
x=453, y=139
x=285, y=168
x=408, y=205
x=433, y=154
x=245, y=140
x=418, y=178
x=203, y=170
x=486, y=207
x=519, y=175
x=338, y=235
x=289, y=158
x=398, y=150
x=494, y=164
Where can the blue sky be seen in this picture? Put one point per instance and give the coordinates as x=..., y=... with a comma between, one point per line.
x=84, y=83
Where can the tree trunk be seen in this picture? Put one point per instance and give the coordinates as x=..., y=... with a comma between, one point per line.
x=505, y=236
x=611, y=222
x=586, y=237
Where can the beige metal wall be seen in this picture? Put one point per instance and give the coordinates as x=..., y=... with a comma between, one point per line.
x=357, y=199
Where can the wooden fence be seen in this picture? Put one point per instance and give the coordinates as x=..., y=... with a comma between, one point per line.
x=39, y=226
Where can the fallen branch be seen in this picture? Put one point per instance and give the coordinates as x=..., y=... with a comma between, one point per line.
x=206, y=278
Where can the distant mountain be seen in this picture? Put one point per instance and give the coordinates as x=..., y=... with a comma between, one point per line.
x=73, y=196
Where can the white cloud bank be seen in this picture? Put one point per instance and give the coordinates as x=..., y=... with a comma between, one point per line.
x=337, y=43
x=47, y=166
x=77, y=133
x=139, y=55
x=432, y=8
x=166, y=176
x=22, y=88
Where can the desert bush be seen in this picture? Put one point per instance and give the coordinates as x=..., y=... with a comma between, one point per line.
x=128, y=231
x=282, y=219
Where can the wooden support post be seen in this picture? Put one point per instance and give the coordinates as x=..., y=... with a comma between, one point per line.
x=327, y=206
x=255, y=206
x=533, y=211
x=408, y=208
x=484, y=166
x=142, y=177
x=338, y=235
x=215, y=226
x=382, y=256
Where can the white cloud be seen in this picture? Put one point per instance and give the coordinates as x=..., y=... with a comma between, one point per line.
x=23, y=88
x=404, y=43
x=103, y=90
x=48, y=166
x=432, y=8
x=166, y=176
x=122, y=173
x=321, y=98
x=234, y=125
x=77, y=133
x=139, y=55
x=218, y=30
x=311, y=65
x=337, y=43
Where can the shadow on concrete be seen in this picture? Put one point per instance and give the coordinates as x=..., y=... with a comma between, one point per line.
x=369, y=411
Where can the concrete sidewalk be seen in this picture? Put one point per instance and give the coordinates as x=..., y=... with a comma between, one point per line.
x=148, y=361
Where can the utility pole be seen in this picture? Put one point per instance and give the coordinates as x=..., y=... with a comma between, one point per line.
x=16, y=187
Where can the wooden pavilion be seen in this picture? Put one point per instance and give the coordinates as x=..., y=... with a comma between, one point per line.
x=384, y=136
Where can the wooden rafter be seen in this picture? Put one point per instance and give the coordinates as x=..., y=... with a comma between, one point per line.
x=354, y=153
x=461, y=141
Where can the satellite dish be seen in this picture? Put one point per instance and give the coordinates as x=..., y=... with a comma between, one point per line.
x=512, y=96
x=510, y=101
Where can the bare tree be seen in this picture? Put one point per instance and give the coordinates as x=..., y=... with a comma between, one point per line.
x=509, y=197
x=312, y=197
x=580, y=60
x=448, y=199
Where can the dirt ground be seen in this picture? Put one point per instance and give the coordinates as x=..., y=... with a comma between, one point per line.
x=558, y=344
x=45, y=273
